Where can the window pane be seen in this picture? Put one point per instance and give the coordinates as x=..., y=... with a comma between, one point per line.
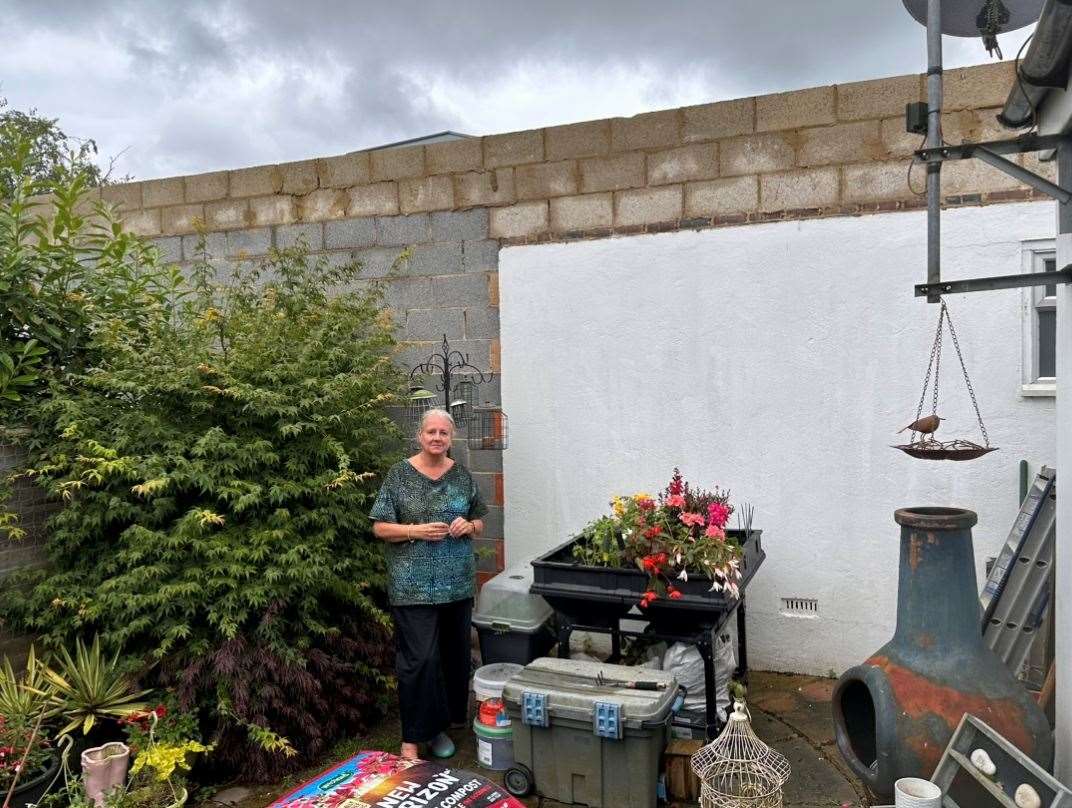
x=1050, y=265
x=1047, y=344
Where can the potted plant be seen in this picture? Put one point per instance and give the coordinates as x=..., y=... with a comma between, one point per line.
x=166, y=726
x=29, y=766
x=671, y=554
x=92, y=694
x=161, y=764
x=26, y=694
x=28, y=763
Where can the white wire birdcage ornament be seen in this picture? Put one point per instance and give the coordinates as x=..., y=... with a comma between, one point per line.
x=738, y=770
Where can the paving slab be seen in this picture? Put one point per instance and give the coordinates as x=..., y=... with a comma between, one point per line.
x=769, y=728
x=814, y=781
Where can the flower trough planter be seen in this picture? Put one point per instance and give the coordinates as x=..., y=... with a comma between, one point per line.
x=600, y=596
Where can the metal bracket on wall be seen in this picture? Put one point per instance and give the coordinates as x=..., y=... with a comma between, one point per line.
x=991, y=152
x=993, y=282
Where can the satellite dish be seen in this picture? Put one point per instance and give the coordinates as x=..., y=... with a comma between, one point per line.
x=974, y=18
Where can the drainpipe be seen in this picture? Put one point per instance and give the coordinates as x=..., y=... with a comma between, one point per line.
x=1063, y=560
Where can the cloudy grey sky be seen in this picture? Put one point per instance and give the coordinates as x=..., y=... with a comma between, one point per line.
x=182, y=87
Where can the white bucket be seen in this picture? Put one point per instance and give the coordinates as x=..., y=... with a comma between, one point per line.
x=915, y=792
x=489, y=681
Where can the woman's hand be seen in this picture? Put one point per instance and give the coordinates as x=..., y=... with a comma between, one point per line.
x=461, y=527
x=429, y=531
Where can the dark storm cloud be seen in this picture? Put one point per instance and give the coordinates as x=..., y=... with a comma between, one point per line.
x=201, y=85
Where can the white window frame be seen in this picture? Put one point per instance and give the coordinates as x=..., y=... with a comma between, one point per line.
x=1033, y=256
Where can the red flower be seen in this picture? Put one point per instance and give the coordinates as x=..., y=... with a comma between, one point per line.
x=677, y=485
x=647, y=598
x=646, y=504
x=653, y=531
x=675, y=595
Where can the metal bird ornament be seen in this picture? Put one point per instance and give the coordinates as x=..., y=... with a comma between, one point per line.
x=924, y=426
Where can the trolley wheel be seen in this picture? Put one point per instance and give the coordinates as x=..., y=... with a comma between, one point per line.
x=518, y=780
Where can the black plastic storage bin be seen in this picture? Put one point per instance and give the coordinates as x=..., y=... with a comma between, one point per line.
x=513, y=625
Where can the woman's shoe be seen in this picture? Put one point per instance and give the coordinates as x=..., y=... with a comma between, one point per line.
x=442, y=746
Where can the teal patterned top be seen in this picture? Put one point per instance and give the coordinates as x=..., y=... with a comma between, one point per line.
x=428, y=572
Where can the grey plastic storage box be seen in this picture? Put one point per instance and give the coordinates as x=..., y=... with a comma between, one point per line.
x=582, y=735
x=513, y=625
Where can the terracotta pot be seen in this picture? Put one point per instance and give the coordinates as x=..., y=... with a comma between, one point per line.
x=104, y=768
x=895, y=713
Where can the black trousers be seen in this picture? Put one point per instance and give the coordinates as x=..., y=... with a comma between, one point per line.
x=433, y=665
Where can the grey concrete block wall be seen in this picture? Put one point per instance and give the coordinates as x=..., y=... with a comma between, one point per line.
x=448, y=286
x=33, y=509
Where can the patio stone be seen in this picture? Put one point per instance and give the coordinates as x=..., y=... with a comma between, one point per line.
x=814, y=780
x=769, y=729
x=233, y=795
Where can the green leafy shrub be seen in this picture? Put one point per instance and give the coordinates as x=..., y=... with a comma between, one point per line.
x=218, y=464
x=67, y=270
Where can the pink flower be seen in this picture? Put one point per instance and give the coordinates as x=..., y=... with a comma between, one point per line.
x=675, y=501
x=718, y=514
x=715, y=532
x=690, y=519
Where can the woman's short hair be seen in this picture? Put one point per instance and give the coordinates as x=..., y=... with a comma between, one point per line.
x=437, y=412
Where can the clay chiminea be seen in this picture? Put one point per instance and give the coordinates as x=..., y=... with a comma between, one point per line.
x=895, y=713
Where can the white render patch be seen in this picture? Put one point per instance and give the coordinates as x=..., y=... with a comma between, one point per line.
x=778, y=360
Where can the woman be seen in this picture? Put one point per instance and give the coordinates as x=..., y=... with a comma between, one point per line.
x=427, y=511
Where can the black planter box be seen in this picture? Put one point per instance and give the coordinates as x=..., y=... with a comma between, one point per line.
x=32, y=791
x=600, y=596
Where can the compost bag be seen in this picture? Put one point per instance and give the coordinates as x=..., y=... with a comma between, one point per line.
x=380, y=780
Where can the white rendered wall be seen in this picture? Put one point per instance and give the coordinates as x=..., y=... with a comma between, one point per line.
x=778, y=360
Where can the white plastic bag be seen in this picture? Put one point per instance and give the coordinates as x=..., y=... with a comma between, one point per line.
x=685, y=662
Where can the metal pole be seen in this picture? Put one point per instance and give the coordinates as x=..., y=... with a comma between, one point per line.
x=1063, y=548
x=934, y=140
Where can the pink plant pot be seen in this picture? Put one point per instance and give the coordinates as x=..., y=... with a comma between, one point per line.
x=104, y=768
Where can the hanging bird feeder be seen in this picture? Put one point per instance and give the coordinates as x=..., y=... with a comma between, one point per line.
x=922, y=443
x=420, y=401
x=488, y=428
x=484, y=427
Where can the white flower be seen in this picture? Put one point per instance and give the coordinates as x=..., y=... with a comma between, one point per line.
x=715, y=586
x=677, y=558
x=683, y=575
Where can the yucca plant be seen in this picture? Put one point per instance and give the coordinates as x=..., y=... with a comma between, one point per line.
x=24, y=697
x=89, y=687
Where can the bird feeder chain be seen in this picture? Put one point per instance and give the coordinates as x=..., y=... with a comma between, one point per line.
x=957, y=449
x=967, y=379
x=932, y=367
